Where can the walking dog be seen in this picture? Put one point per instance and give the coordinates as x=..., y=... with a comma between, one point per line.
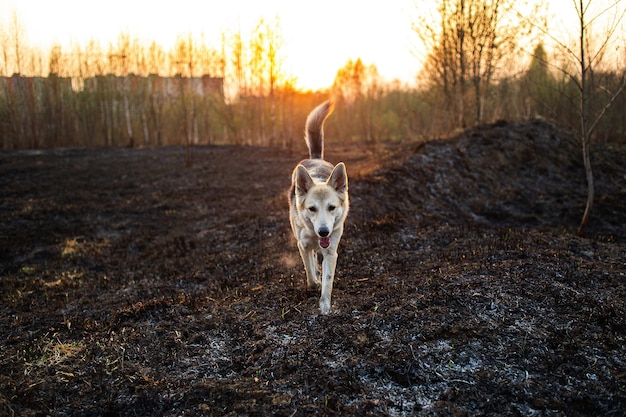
x=318, y=206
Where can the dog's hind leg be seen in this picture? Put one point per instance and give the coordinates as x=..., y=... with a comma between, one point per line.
x=328, y=274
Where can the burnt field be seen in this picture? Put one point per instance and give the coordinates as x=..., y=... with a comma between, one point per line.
x=133, y=285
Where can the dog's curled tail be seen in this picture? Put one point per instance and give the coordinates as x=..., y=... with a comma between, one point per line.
x=314, y=132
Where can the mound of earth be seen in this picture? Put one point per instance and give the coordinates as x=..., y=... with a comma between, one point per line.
x=133, y=285
x=503, y=175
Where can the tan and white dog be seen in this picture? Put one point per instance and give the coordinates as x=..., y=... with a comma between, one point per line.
x=318, y=206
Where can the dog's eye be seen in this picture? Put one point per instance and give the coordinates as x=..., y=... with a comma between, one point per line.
x=331, y=208
x=313, y=209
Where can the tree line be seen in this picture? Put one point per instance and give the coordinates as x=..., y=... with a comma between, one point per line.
x=236, y=91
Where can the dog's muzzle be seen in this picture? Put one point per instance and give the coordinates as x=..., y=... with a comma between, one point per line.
x=324, y=235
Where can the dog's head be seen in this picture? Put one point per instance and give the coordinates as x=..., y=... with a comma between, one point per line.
x=323, y=205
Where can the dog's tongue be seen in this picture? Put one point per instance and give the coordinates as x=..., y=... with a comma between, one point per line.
x=325, y=242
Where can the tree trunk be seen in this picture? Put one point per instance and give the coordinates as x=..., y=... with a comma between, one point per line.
x=590, y=186
x=585, y=131
x=129, y=125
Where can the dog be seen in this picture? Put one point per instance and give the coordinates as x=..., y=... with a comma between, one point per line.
x=318, y=207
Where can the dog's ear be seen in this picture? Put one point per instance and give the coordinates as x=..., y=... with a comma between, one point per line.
x=339, y=178
x=303, y=180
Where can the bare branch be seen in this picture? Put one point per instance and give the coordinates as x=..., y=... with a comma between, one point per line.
x=608, y=105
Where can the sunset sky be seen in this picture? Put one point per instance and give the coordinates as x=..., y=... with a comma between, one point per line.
x=319, y=40
x=320, y=35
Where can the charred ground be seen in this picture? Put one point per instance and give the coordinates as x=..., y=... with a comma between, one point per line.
x=132, y=285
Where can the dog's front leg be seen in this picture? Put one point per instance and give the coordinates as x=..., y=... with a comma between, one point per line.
x=310, y=266
x=328, y=274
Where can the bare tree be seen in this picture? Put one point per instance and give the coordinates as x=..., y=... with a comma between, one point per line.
x=466, y=44
x=275, y=74
x=586, y=56
x=258, y=73
x=238, y=60
x=121, y=57
x=4, y=46
x=183, y=57
x=259, y=68
x=348, y=89
x=156, y=92
x=16, y=35
x=357, y=86
x=586, y=59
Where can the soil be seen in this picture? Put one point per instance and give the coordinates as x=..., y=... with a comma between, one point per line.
x=134, y=285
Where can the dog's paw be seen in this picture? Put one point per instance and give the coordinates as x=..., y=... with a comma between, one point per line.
x=313, y=284
x=324, y=306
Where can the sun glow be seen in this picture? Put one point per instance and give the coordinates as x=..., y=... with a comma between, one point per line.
x=319, y=38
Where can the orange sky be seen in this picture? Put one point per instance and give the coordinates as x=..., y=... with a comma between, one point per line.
x=320, y=36
x=319, y=40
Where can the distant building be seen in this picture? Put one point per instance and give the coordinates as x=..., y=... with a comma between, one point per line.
x=34, y=87
x=168, y=86
x=37, y=87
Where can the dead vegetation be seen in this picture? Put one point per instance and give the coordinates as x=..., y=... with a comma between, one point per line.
x=131, y=285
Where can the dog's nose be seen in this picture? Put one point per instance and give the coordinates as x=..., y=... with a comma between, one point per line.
x=323, y=231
